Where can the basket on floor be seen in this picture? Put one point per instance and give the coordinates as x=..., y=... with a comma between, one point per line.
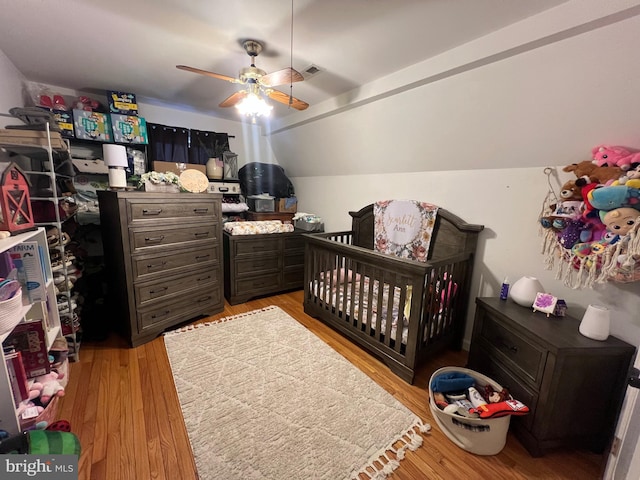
x=10, y=312
x=482, y=436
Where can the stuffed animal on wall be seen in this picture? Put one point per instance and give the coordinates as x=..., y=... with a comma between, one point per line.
x=621, y=220
x=612, y=197
x=609, y=156
x=631, y=178
x=568, y=208
x=587, y=172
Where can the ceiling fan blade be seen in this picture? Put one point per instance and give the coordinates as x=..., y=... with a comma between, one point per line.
x=234, y=98
x=284, y=98
x=281, y=77
x=209, y=74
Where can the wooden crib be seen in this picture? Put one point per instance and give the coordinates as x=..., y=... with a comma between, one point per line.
x=356, y=290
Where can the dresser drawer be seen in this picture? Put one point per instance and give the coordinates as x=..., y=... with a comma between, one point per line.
x=294, y=243
x=175, y=311
x=162, y=236
x=257, y=245
x=483, y=362
x=146, y=267
x=150, y=211
x=148, y=293
x=293, y=259
x=257, y=264
x=525, y=358
x=258, y=284
x=293, y=277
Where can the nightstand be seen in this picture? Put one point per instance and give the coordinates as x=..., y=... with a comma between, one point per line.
x=573, y=385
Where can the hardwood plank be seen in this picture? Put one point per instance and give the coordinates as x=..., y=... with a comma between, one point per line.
x=122, y=404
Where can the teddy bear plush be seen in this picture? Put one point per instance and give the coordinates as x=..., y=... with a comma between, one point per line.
x=609, y=156
x=587, y=172
x=568, y=208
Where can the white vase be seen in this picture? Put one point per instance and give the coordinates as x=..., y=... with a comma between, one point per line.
x=595, y=323
x=524, y=291
x=214, y=169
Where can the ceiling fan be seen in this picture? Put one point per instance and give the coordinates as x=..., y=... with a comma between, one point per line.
x=257, y=80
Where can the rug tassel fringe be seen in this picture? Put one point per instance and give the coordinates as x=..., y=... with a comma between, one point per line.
x=382, y=465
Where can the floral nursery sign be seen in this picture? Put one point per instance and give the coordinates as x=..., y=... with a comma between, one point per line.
x=403, y=228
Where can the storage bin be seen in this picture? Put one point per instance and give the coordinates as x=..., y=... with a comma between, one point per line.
x=11, y=312
x=476, y=435
x=261, y=204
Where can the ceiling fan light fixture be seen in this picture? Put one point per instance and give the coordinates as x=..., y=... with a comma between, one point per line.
x=254, y=105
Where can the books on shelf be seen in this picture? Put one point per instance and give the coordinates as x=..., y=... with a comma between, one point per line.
x=29, y=339
x=17, y=375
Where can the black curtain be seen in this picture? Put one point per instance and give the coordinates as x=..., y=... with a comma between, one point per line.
x=205, y=145
x=168, y=144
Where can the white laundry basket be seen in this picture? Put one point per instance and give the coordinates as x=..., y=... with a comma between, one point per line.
x=482, y=436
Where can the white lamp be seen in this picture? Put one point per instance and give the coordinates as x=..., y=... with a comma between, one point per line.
x=115, y=157
x=595, y=322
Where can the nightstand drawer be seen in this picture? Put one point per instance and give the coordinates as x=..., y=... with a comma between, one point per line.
x=523, y=357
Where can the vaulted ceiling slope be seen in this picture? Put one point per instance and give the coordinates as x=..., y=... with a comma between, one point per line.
x=93, y=45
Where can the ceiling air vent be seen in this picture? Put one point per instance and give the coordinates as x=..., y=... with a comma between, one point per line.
x=311, y=71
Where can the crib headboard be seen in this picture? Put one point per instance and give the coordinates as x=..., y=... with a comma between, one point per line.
x=451, y=234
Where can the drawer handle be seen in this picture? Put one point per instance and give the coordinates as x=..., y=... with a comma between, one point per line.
x=154, y=239
x=156, y=211
x=258, y=265
x=158, y=315
x=200, y=210
x=156, y=265
x=163, y=289
x=201, y=257
x=200, y=234
x=204, y=299
x=202, y=279
x=513, y=348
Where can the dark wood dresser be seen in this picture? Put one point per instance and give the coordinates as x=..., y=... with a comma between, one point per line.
x=263, y=264
x=163, y=259
x=573, y=385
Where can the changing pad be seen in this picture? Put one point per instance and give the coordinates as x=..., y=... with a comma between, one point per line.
x=257, y=227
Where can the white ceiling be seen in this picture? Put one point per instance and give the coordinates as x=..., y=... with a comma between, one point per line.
x=134, y=45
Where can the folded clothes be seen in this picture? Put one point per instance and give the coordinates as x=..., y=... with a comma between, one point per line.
x=451, y=382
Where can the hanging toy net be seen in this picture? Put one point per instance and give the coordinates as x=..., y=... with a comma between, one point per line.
x=586, y=245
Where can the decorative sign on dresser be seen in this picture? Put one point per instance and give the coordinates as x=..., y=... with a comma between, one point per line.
x=163, y=257
x=572, y=384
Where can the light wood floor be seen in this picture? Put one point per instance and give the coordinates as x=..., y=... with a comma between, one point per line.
x=122, y=404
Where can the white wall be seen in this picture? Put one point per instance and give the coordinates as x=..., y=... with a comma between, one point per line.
x=475, y=140
x=10, y=88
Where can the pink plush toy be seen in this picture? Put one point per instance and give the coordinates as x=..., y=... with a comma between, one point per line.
x=614, y=156
x=51, y=387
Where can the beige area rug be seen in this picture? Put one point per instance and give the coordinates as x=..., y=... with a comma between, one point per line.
x=265, y=399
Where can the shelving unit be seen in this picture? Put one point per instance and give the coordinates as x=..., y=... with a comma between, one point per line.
x=47, y=161
x=8, y=418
